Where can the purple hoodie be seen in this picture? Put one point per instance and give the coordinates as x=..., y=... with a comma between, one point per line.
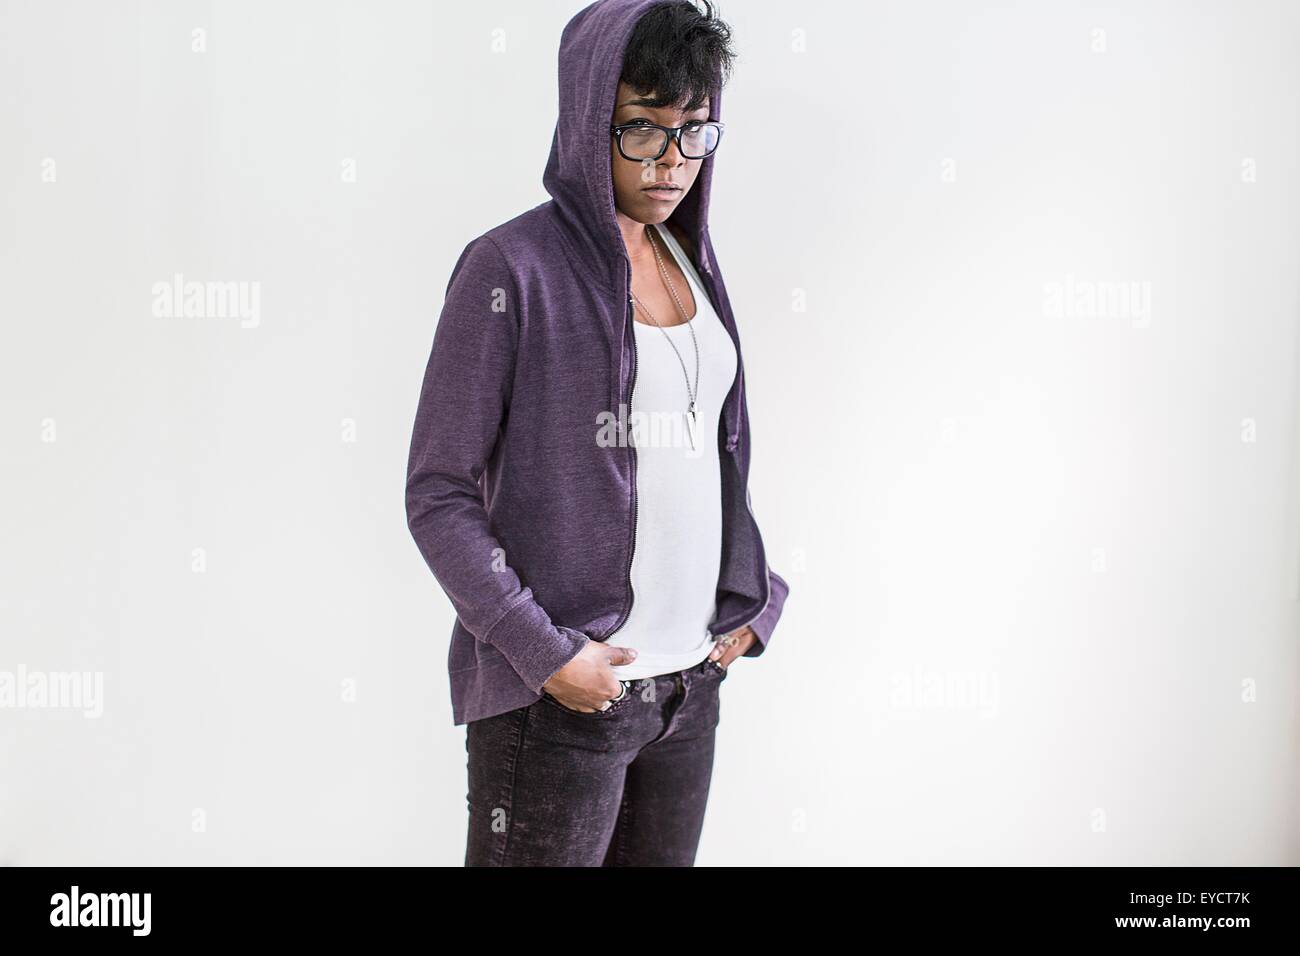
x=522, y=507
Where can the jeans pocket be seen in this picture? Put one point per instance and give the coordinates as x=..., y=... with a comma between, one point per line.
x=615, y=706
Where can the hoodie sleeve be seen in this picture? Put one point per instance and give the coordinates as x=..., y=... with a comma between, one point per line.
x=766, y=622
x=463, y=403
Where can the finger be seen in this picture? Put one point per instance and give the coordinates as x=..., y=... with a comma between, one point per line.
x=724, y=648
x=621, y=655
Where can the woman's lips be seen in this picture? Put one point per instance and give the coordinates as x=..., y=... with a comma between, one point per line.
x=663, y=194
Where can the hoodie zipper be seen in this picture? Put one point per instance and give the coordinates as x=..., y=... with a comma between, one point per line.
x=631, y=595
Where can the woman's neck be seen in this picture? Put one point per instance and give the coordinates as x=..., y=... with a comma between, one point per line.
x=635, y=239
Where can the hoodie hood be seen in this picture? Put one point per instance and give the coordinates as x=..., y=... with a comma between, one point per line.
x=578, y=175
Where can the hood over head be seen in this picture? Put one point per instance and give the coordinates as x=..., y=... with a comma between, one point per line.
x=578, y=175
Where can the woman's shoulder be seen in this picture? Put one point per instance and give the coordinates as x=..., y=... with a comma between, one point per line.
x=532, y=229
x=513, y=249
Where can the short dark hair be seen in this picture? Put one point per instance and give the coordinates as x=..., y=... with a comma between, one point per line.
x=677, y=51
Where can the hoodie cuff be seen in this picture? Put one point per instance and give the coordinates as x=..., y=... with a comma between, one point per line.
x=765, y=623
x=535, y=647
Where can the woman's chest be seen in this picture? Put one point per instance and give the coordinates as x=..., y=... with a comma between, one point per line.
x=678, y=365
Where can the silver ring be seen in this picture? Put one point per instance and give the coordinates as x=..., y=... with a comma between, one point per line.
x=614, y=700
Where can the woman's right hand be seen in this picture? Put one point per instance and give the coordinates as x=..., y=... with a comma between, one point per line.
x=587, y=683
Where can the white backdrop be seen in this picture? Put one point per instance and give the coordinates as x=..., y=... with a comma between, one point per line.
x=1017, y=284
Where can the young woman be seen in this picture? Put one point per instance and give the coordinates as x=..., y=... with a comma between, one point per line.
x=578, y=476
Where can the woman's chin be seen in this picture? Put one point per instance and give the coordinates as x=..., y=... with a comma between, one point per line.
x=654, y=210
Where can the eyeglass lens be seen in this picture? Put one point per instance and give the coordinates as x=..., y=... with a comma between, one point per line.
x=696, y=141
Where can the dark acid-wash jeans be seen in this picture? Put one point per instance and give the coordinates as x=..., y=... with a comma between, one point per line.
x=551, y=786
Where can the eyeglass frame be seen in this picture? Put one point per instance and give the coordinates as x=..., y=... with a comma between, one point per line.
x=674, y=135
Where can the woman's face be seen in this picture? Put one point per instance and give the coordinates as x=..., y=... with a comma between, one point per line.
x=635, y=193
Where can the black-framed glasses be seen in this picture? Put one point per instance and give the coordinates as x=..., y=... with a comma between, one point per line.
x=640, y=142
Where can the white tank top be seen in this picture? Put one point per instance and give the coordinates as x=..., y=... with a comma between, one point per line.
x=678, y=550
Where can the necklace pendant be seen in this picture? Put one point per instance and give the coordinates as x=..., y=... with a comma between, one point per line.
x=691, y=424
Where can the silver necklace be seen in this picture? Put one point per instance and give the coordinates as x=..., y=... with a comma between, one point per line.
x=691, y=393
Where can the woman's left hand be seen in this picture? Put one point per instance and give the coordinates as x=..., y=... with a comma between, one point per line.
x=725, y=655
